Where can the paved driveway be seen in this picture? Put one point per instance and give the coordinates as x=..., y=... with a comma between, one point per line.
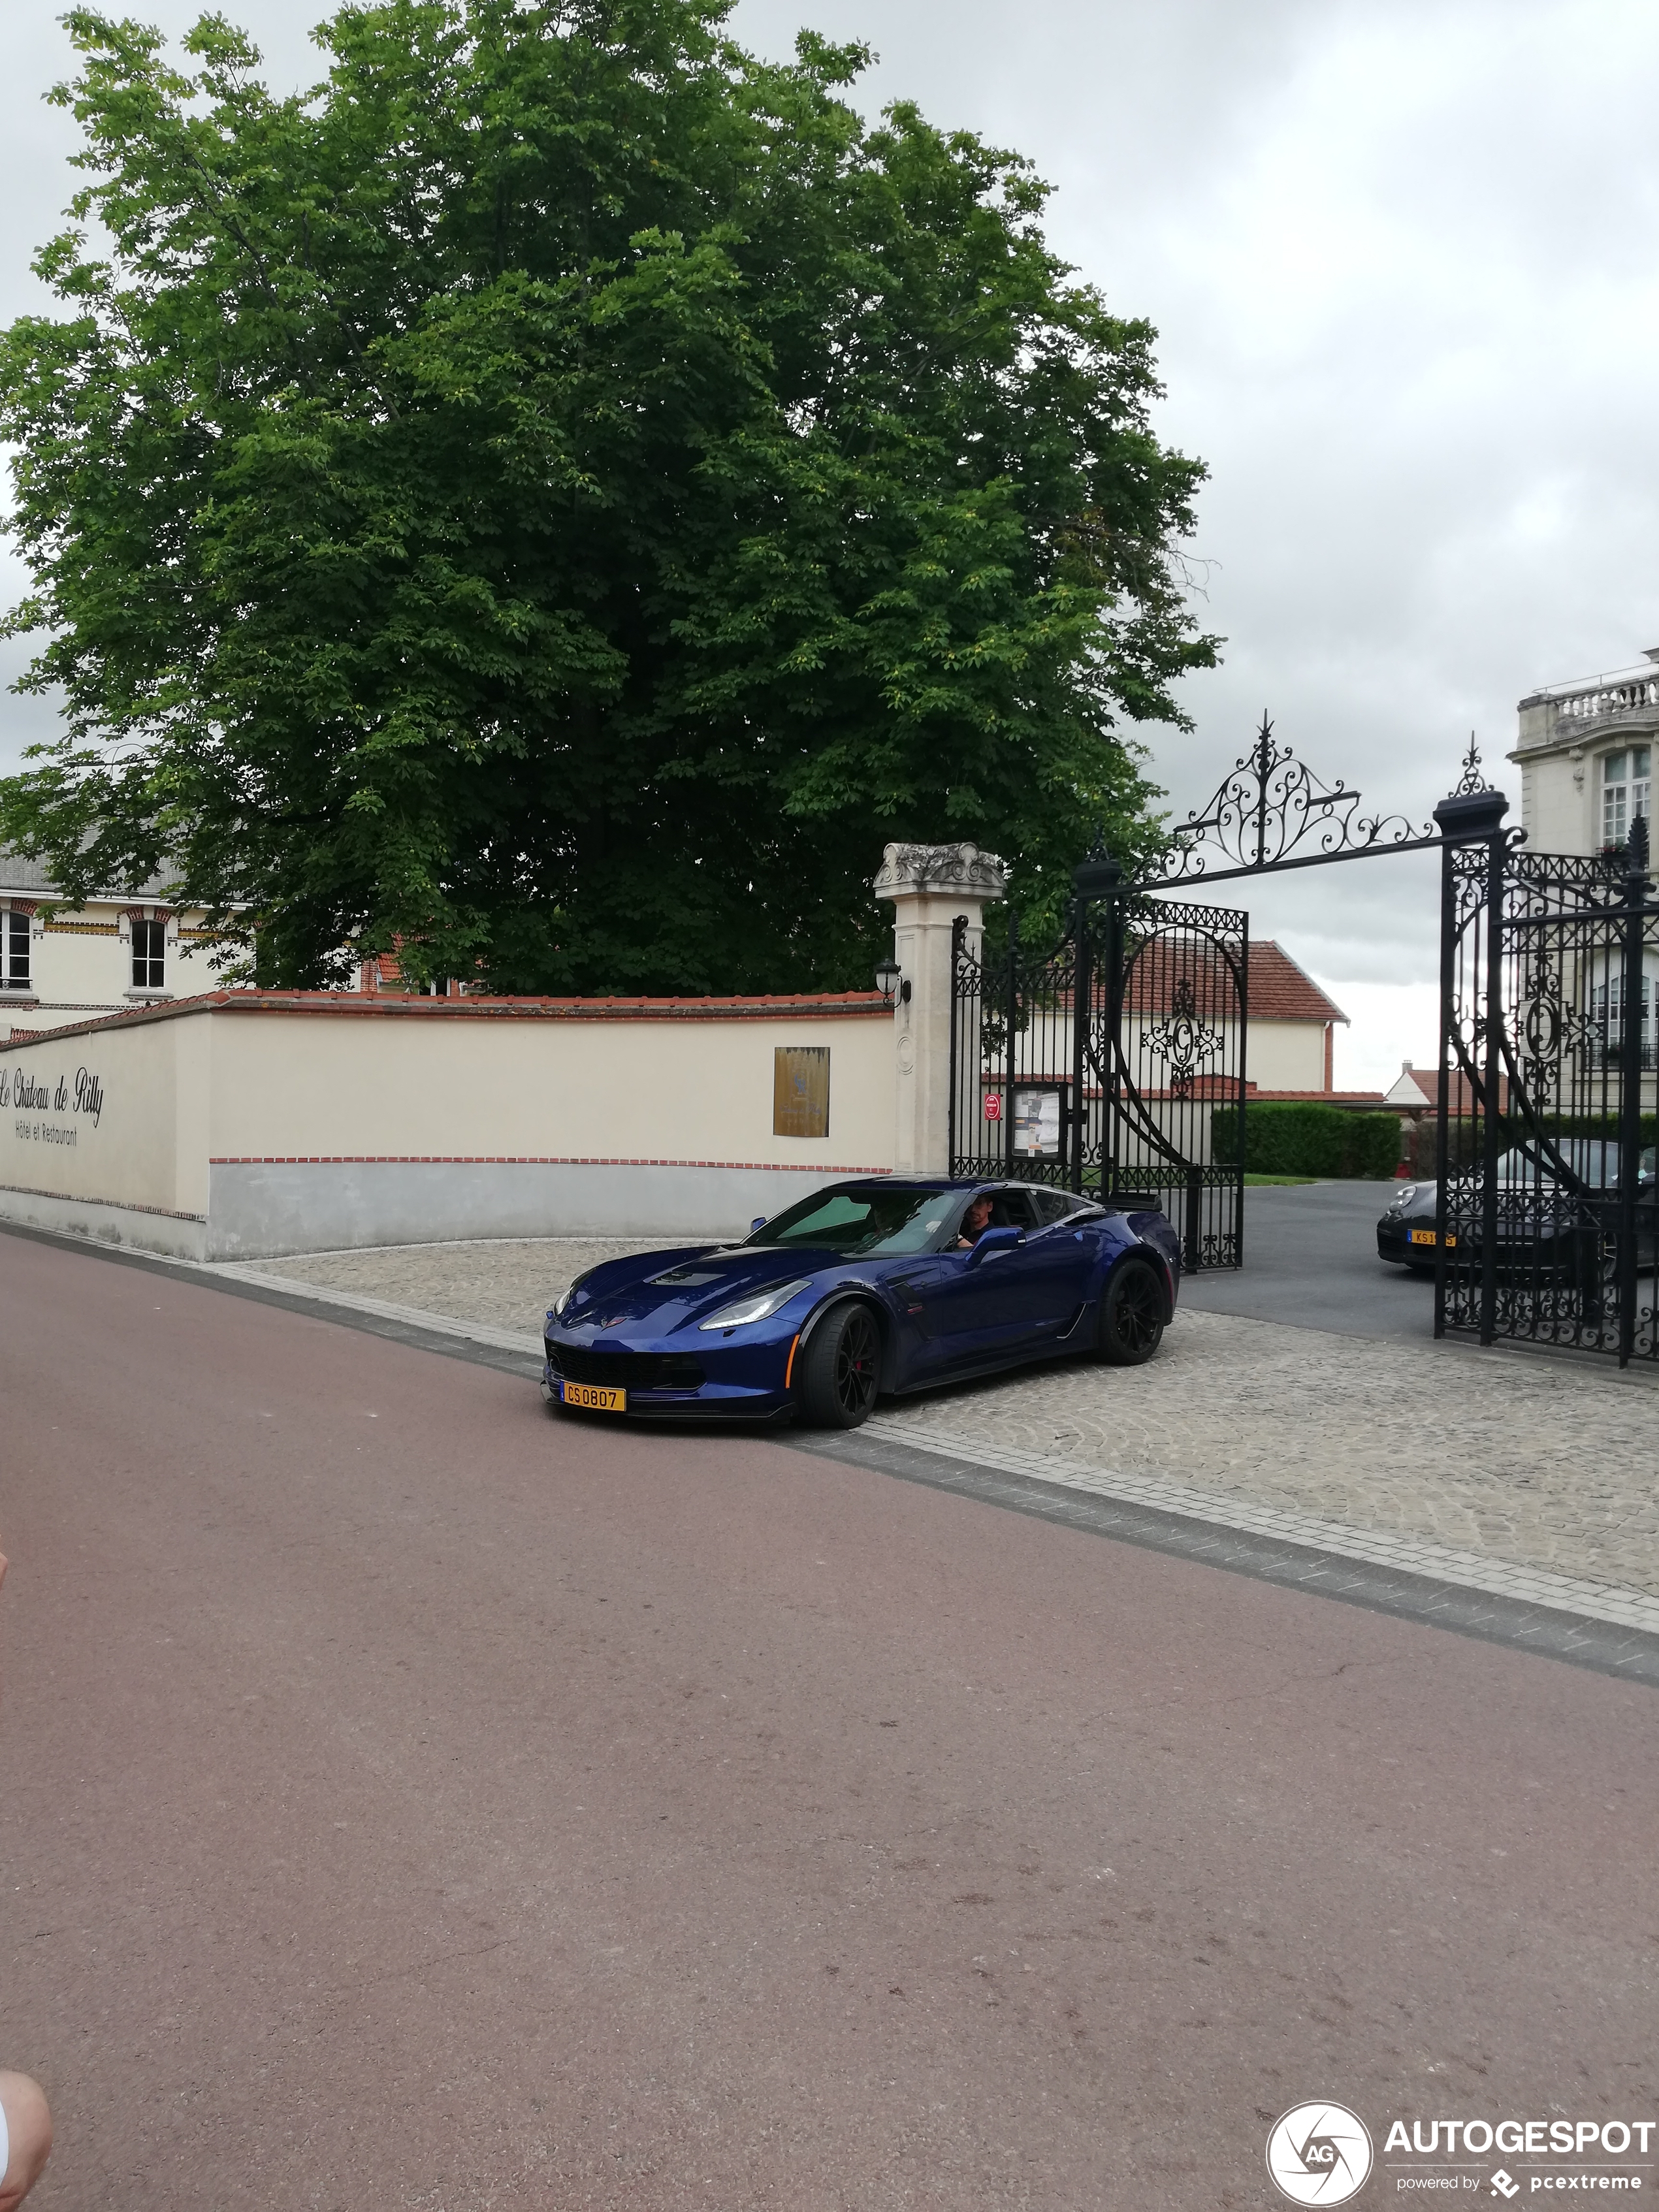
x=1310, y=1261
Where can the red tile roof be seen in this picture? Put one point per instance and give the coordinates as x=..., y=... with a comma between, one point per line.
x=1225, y=1088
x=1282, y=992
x=1463, y=1095
x=1359, y=1099
x=1277, y=989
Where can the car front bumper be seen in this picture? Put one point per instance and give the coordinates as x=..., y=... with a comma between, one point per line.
x=685, y=1376
x=1568, y=1254
x=1394, y=1243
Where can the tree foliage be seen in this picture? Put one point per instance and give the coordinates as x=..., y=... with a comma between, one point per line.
x=562, y=492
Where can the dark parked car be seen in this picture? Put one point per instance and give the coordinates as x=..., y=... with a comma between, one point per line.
x=864, y=1288
x=1557, y=1227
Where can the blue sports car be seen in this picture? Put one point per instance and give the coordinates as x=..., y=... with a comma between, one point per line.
x=864, y=1288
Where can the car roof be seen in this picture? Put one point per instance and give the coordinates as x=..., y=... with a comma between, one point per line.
x=932, y=1182
x=948, y=1183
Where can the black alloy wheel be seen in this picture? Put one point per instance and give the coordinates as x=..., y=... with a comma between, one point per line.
x=841, y=1370
x=1132, y=1315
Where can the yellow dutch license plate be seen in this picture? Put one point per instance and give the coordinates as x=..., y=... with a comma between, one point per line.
x=1426, y=1237
x=597, y=1400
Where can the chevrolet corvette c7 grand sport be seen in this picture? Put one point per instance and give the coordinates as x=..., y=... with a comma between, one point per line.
x=864, y=1289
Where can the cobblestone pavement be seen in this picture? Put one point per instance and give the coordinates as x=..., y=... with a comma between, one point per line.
x=1514, y=1457
x=1498, y=1454
x=506, y=1284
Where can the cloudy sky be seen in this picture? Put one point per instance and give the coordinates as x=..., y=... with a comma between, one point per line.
x=1401, y=254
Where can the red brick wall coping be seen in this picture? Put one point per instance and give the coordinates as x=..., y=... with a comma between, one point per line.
x=114, y=1204
x=349, y=1005
x=518, y=1160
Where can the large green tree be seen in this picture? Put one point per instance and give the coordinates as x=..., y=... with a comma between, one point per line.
x=562, y=492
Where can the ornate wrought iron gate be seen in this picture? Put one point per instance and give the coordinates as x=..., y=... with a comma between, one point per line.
x=1175, y=1123
x=1548, y=1217
x=1118, y=1065
x=1131, y=1041
x=1114, y=1066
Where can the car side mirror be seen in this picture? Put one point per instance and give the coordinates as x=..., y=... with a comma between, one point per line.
x=995, y=1242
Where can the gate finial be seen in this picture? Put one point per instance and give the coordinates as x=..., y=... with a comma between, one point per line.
x=1471, y=782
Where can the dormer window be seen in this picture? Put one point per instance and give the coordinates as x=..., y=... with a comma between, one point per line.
x=1626, y=791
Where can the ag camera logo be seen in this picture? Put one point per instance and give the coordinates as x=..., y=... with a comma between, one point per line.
x=1319, y=2153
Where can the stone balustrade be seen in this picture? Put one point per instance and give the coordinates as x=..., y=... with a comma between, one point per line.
x=1599, y=699
x=1609, y=699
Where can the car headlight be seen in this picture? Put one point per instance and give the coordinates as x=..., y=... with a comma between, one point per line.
x=561, y=1305
x=1402, y=1198
x=761, y=1305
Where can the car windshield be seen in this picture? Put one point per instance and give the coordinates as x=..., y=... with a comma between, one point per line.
x=868, y=1220
x=1593, y=1160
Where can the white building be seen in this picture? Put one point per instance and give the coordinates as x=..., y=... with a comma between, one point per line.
x=123, y=949
x=1585, y=753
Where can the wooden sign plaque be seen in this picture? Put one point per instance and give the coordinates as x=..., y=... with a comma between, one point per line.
x=800, y=1090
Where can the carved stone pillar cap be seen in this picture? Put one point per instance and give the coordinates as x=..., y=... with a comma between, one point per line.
x=906, y=869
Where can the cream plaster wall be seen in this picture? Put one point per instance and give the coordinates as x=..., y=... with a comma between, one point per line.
x=193, y=1040
x=1558, y=798
x=1286, y=1055
x=472, y=1086
x=125, y=1153
x=81, y=961
x=280, y=1130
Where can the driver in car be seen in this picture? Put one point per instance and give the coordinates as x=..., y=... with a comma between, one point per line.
x=975, y=1222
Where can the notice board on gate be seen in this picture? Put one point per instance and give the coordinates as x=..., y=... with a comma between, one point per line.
x=800, y=1090
x=1039, y=1124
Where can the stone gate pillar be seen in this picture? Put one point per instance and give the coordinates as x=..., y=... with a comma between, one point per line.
x=929, y=885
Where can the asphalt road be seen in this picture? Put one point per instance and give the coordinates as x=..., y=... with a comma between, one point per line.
x=410, y=1800
x=1310, y=1261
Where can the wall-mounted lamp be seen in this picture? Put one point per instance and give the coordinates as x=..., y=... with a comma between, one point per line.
x=891, y=984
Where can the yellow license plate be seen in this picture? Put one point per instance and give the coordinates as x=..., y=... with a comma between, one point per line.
x=1426, y=1237
x=596, y=1400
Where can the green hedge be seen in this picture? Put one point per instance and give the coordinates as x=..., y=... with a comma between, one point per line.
x=1464, y=1139
x=1309, y=1140
x=1587, y=1125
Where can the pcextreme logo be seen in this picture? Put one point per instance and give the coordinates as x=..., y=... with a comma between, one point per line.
x=1319, y=2153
